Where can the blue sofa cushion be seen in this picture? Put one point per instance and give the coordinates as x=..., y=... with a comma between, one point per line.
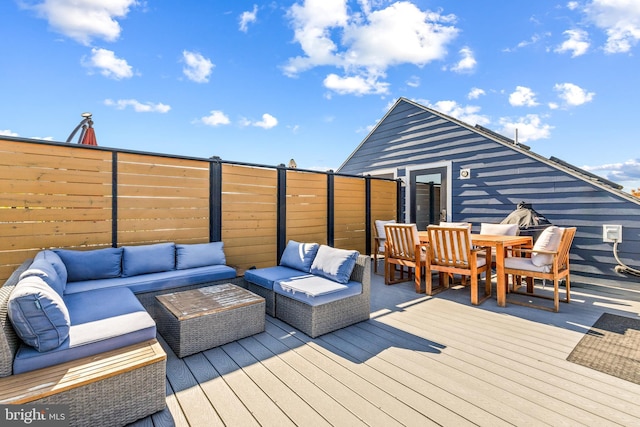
x=312, y=286
x=284, y=288
x=38, y=314
x=266, y=277
x=199, y=255
x=299, y=255
x=101, y=320
x=42, y=268
x=92, y=264
x=334, y=264
x=148, y=259
x=54, y=259
x=157, y=281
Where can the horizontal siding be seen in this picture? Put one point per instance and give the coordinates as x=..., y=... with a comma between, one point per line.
x=501, y=177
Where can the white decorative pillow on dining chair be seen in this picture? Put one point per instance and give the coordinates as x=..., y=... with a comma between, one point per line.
x=499, y=229
x=549, y=240
x=455, y=224
x=381, y=233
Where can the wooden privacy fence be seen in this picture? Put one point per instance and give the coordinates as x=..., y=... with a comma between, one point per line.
x=56, y=195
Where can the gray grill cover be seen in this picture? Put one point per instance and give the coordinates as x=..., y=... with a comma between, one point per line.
x=531, y=223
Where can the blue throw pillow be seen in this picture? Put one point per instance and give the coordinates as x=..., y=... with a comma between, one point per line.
x=53, y=259
x=299, y=255
x=199, y=255
x=146, y=259
x=38, y=314
x=334, y=264
x=92, y=264
x=44, y=270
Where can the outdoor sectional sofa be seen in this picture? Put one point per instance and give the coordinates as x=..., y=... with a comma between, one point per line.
x=77, y=327
x=315, y=288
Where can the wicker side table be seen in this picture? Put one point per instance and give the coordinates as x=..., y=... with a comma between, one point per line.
x=200, y=319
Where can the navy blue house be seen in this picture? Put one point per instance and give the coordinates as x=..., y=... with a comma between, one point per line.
x=453, y=171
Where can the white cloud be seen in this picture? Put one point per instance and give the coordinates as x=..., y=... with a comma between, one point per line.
x=109, y=65
x=523, y=97
x=467, y=64
x=626, y=173
x=312, y=23
x=294, y=129
x=267, y=122
x=356, y=85
x=197, y=68
x=414, y=81
x=398, y=34
x=573, y=5
x=364, y=44
x=620, y=20
x=215, y=118
x=137, y=106
x=247, y=18
x=475, y=93
x=84, y=20
x=8, y=132
x=533, y=40
x=577, y=43
x=530, y=128
x=573, y=95
x=469, y=114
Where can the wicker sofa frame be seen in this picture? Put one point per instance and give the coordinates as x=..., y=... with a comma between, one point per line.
x=321, y=319
x=115, y=388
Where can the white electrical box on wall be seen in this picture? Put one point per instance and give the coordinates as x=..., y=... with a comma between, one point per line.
x=611, y=233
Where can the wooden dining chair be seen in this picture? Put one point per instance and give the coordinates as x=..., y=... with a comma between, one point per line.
x=450, y=252
x=404, y=250
x=378, y=240
x=549, y=259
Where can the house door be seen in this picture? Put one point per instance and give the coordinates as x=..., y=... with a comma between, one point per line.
x=428, y=195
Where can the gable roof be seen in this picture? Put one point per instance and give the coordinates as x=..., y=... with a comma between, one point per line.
x=553, y=162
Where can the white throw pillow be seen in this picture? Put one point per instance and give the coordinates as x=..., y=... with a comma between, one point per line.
x=455, y=224
x=380, y=226
x=549, y=240
x=381, y=233
x=499, y=229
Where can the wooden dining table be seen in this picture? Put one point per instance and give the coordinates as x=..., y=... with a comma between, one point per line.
x=499, y=244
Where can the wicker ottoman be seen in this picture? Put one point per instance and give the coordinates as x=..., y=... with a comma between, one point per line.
x=200, y=319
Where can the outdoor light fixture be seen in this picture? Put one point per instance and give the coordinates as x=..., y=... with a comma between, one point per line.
x=465, y=173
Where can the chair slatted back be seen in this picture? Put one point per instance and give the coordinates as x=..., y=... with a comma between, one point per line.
x=564, y=246
x=401, y=241
x=450, y=246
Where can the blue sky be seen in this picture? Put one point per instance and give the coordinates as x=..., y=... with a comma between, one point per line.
x=270, y=81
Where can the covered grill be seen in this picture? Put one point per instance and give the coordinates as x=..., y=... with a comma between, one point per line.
x=531, y=223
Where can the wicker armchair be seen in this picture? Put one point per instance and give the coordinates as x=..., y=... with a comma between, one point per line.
x=316, y=320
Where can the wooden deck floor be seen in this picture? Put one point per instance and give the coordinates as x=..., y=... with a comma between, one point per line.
x=418, y=361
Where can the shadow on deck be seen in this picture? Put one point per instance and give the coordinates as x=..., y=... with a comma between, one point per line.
x=419, y=360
